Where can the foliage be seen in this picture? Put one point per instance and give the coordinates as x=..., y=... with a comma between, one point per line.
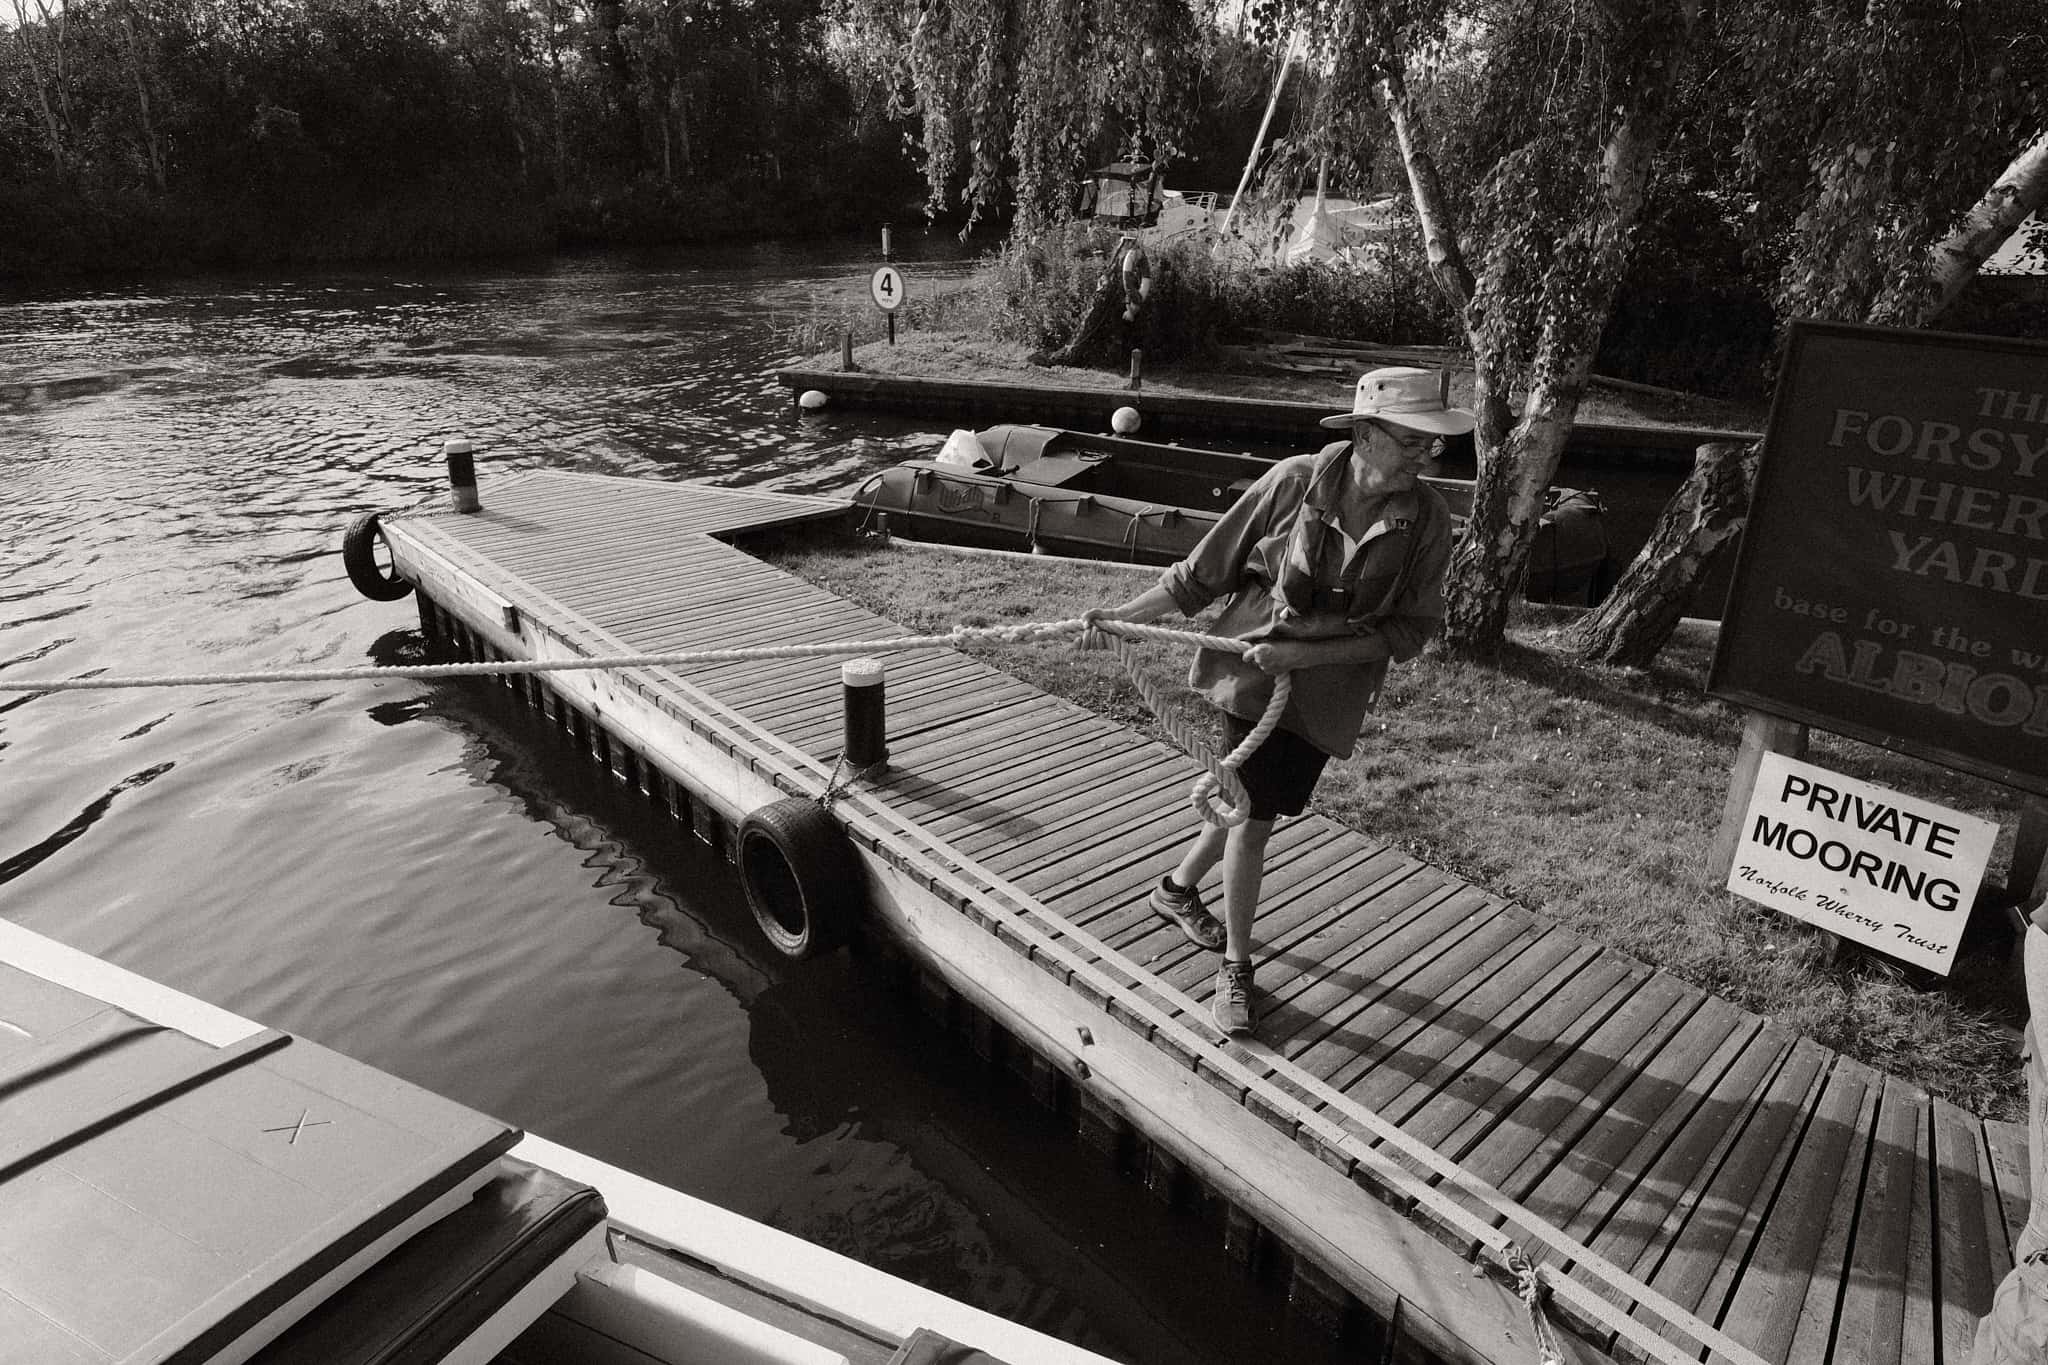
x=267, y=129
x=1693, y=312
x=1039, y=285
x=1873, y=125
x=1013, y=97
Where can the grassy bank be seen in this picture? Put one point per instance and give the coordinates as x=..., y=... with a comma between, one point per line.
x=1587, y=795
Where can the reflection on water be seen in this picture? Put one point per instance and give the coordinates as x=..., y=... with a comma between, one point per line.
x=406, y=874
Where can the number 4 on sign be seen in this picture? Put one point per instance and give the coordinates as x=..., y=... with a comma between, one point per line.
x=886, y=287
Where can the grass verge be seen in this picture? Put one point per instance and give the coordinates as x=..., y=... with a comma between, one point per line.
x=953, y=352
x=1587, y=795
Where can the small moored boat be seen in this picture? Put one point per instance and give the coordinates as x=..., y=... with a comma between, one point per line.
x=1053, y=491
x=182, y=1186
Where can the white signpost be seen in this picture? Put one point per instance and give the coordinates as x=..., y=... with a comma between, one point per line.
x=1884, y=869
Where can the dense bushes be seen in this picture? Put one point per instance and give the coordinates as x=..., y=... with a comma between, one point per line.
x=1037, y=290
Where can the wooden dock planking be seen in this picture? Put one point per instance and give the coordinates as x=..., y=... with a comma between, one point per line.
x=1579, y=1191
x=1815, y=1210
x=1114, y=904
x=1873, y=1303
x=1437, y=1055
x=1971, y=1265
x=1550, y=1119
x=1382, y=1001
x=1709, y=1248
x=1807, y=1222
x=1490, y=1084
x=1403, y=896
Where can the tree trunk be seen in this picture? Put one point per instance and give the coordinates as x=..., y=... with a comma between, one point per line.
x=1104, y=310
x=1953, y=262
x=151, y=146
x=1698, y=525
x=1625, y=631
x=1491, y=561
x=53, y=127
x=1432, y=208
x=1516, y=466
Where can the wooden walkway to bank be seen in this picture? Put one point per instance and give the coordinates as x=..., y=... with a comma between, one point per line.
x=1653, y=1145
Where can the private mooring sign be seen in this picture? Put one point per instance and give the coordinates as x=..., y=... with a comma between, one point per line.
x=1887, y=870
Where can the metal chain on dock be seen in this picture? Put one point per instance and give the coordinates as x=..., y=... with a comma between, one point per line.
x=842, y=779
x=1220, y=775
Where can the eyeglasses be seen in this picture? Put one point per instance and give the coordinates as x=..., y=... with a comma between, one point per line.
x=1404, y=439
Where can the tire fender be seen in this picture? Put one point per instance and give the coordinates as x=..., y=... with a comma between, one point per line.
x=802, y=878
x=359, y=558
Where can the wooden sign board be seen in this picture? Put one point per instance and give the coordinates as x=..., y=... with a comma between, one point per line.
x=1893, y=578
x=1884, y=869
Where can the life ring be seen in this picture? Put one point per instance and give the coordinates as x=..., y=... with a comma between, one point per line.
x=359, y=557
x=802, y=880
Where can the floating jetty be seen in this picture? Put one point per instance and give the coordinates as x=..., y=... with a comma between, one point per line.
x=1462, y=1132
x=1187, y=415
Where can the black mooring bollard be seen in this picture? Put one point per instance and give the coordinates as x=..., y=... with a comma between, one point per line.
x=462, y=475
x=867, y=728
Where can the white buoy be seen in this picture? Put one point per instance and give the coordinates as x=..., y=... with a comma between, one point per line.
x=1124, y=421
x=812, y=400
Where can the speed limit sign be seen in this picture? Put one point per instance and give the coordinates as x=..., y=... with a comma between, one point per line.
x=886, y=286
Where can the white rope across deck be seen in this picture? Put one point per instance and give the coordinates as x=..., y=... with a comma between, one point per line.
x=1221, y=774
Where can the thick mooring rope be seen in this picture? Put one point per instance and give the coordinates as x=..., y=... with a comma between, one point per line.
x=1220, y=774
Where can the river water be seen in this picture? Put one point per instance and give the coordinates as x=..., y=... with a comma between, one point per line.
x=400, y=872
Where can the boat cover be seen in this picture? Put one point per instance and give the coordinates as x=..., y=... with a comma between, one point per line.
x=164, y=1199
x=423, y=1300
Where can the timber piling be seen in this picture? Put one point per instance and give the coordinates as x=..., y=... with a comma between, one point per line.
x=1450, y=1105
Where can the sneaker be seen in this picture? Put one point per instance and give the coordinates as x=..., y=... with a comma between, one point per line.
x=1232, y=1006
x=1185, y=909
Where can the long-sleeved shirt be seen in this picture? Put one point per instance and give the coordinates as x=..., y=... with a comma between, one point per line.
x=1391, y=580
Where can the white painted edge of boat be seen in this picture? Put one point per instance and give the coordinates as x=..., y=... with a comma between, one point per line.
x=790, y=1268
x=526, y=1307
x=160, y=1004
x=672, y=1323
x=777, y=1263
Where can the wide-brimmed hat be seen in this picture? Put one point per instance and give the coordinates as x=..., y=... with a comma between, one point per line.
x=1407, y=397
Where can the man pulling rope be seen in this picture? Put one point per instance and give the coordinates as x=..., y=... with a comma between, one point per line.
x=1333, y=565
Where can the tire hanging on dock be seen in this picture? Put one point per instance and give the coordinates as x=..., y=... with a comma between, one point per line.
x=359, y=557
x=802, y=879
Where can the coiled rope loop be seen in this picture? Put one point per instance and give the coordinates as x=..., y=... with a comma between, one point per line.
x=1220, y=780
x=1221, y=774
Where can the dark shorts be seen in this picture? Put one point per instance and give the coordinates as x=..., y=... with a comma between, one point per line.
x=1281, y=774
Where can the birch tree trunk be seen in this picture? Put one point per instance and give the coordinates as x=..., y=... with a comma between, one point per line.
x=1954, y=261
x=1491, y=560
x=1637, y=618
x=1694, y=533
